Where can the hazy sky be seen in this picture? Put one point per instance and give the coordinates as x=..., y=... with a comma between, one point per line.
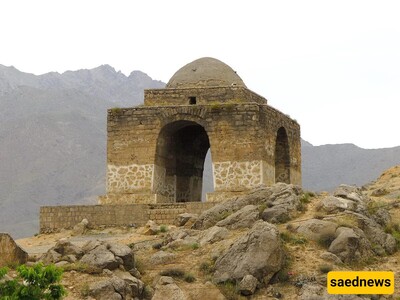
x=334, y=66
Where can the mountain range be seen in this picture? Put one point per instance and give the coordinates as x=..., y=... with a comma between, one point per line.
x=53, y=143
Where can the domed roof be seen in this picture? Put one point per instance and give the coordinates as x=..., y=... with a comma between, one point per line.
x=205, y=72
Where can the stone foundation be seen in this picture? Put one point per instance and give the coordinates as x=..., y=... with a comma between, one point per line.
x=55, y=218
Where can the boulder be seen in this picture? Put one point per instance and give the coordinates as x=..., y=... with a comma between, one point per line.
x=10, y=252
x=65, y=248
x=151, y=228
x=213, y=234
x=123, y=252
x=162, y=257
x=278, y=194
x=166, y=288
x=80, y=228
x=182, y=219
x=315, y=229
x=311, y=291
x=258, y=253
x=103, y=290
x=51, y=257
x=100, y=257
x=331, y=204
x=330, y=257
x=136, y=285
x=350, y=245
x=374, y=232
x=350, y=192
x=276, y=214
x=121, y=287
x=248, y=285
x=243, y=218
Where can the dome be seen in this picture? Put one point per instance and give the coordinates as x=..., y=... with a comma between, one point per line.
x=205, y=72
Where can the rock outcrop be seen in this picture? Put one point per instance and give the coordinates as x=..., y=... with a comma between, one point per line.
x=258, y=253
x=10, y=252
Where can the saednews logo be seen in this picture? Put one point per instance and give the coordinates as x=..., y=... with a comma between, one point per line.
x=362, y=282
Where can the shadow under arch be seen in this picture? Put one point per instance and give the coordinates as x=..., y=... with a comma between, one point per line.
x=282, y=157
x=179, y=163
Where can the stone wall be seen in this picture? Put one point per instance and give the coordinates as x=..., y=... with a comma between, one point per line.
x=54, y=218
x=156, y=151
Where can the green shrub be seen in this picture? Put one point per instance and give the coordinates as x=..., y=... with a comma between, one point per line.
x=178, y=273
x=325, y=268
x=189, y=278
x=116, y=110
x=394, y=230
x=374, y=206
x=33, y=283
x=207, y=267
x=195, y=246
x=140, y=266
x=229, y=290
x=163, y=228
x=157, y=246
x=293, y=239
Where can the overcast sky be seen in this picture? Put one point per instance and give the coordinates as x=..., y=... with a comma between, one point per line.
x=334, y=66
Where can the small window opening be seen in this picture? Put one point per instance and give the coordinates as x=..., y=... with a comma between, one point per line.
x=192, y=100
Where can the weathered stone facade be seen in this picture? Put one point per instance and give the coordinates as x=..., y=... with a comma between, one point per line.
x=156, y=152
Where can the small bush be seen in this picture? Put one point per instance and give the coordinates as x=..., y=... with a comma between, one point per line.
x=163, y=228
x=177, y=273
x=325, y=268
x=262, y=207
x=229, y=290
x=374, y=206
x=85, y=290
x=293, y=239
x=189, y=278
x=306, y=197
x=394, y=230
x=140, y=266
x=207, y=267
x=82, y=268
x=195, y=246
x=157, y=246
x=34, y=283
x=116, y=110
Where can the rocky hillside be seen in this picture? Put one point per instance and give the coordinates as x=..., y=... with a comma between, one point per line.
x=53, y=138
x=257, y=246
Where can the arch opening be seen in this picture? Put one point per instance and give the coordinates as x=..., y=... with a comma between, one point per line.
x=181, y=151
x=282, y=157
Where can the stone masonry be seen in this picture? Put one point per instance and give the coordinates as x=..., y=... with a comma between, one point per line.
x=156, y=152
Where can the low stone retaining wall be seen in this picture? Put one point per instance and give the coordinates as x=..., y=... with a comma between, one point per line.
x=54, y=218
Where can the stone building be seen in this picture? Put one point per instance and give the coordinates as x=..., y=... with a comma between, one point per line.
x=156, y=151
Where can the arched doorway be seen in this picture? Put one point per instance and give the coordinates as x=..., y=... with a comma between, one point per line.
x=181, y=150
x=282, y=157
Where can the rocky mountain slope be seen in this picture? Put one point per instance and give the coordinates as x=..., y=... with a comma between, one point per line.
x=53, y=138
x=257, y=246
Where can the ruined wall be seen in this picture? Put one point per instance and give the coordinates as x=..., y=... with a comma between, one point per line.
x=54, y=218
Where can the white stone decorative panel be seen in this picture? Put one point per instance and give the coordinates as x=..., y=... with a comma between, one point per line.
x=236, y=176
x=129, y=178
